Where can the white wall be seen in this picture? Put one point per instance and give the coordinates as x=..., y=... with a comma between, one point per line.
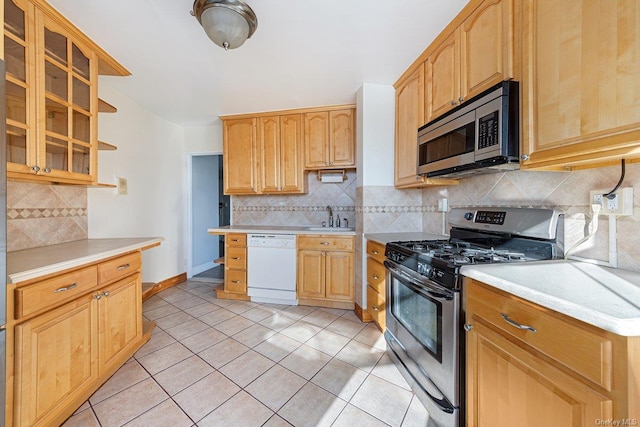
x=203, y=139
x=375, y=135
x=150, y=156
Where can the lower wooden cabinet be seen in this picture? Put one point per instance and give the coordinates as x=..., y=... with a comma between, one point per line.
x=326, y=271
x=376, y=284
x=56, y=361
x=565, y=373
x=235, y=267
x=65, y=347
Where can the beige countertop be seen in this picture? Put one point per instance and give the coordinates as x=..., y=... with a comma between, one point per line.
x=608, y=298
x=403, y=237
x=280, y=229
x=30, y=264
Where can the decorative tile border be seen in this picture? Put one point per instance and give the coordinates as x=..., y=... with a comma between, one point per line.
x=292, y=208
x=395, y=209
x=31, y=213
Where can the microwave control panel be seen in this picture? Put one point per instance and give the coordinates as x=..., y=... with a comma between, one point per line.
x=488, y=130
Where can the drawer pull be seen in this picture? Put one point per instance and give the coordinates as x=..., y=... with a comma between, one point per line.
x=516, y=324
x=235, y=240
x=236, y=257
x=66, y=288
x=375, y=308
x=236, y=281
x=375, y=276
x=123, y=266
x=325, y=243
x=375, y=252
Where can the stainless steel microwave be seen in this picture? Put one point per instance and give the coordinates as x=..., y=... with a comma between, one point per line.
x=479, y=136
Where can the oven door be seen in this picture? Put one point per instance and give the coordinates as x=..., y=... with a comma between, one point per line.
x=423, y=336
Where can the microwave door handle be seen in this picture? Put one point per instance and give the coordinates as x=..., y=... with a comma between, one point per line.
x=421, y=287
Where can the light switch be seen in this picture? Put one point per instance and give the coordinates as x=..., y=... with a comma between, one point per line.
x=122, y=185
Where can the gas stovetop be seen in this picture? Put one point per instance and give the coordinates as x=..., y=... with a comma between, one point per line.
x=483, y=236
x=456, y=253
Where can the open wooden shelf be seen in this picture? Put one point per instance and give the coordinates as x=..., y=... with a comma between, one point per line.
x=106, y=146
x=105, y=107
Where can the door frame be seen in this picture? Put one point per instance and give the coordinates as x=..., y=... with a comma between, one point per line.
x=188, y=232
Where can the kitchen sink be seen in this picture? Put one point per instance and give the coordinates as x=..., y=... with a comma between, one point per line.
x=330, y=229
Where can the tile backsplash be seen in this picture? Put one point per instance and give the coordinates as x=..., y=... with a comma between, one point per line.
x=40, y=215
x=308, y=209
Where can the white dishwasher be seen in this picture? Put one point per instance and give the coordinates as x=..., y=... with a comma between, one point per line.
x=271, y=268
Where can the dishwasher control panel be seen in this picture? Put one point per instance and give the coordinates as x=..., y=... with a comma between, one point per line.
x=271, y=240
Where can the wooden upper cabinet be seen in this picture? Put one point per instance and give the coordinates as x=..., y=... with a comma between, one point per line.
x=471, y=57
x=486, y=47
x=409, y=117
x=240, y=156
x=443, y=77
x=342, y=141
x=330, y=139
x=581, y=68
x=269, y=149
x=52, y=95
x=292, y=154
x=316, y=139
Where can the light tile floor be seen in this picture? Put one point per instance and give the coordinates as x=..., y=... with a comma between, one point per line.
x=223, y=363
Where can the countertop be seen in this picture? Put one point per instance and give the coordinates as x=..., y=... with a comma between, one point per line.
x=608, y=298
x=395, y=237
x=30, y=264
x=279, y=229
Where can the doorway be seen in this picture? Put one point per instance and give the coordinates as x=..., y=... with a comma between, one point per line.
x=208, y=208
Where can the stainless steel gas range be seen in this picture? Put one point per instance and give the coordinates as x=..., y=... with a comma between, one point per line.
x=425, y=316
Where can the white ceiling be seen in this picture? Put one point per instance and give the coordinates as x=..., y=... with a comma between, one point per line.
x=304, y=53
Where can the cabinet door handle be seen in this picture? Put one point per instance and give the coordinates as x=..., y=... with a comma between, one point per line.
x=375, y=308
x=106, y=293
x=524, y=157
x=123, y=266
x=454, y=103
x=468, y=327
x=460, y=99
x=66, y=288
x=97, y=296
x=235, y=281
x=325, y=243
x=375, y=252
x=47, y=170
x=375, y=276
x=516, y=324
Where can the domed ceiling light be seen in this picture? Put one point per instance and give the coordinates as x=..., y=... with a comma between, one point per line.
x=228, y=23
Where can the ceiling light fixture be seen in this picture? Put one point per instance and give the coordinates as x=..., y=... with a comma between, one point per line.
x=229, y=23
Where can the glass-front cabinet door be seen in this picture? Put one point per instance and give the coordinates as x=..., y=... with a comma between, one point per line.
x=68, y=109
x=20, y=89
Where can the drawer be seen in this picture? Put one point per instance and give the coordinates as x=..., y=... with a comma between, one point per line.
x=54, y=291
x=119, y=268
x=236, y=239
x=376, y=307
x=326, y=243
x=236, y=258
x=375, y=250
x=376, y=275
x=575, y=345
x=236, y=281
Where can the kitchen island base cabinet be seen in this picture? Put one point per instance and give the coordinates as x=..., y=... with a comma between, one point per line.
x=561, y=372
x=326, y=271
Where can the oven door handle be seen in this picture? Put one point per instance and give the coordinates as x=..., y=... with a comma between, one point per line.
x=419, y=286
x=424, y=382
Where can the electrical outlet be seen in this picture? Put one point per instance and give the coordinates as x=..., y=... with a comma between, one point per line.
x=443, y=205
x=620, y=204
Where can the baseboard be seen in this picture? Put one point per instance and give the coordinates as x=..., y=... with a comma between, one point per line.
x=363, y=315
x=165, y=284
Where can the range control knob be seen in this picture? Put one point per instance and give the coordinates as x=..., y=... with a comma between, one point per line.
x=468, y=216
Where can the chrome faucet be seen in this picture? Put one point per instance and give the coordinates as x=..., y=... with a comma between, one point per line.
x=330, y=216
